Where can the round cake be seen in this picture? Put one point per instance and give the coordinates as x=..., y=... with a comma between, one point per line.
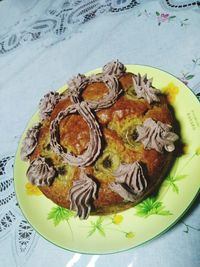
x=102, y=145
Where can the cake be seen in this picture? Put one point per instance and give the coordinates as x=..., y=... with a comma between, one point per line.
x=104, y=144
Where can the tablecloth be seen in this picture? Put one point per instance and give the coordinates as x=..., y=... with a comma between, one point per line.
x=42, y=45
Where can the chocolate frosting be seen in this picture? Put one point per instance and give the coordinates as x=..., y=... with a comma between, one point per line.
x=30, y=141
x=115, y=68
x=76, y=85
x=82, y=195
x=47, y=104
x=84, y=108
x=143, y=88
x=94, y=146
x=156, y=135
x=130, y=180
x=40, y=172
x=114, y=90
x=122, y=191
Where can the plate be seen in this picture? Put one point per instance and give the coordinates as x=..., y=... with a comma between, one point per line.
x=133, y=227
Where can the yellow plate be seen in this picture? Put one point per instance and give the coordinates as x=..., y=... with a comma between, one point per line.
x=137, y=225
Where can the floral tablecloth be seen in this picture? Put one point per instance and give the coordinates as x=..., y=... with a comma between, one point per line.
x=42, y=44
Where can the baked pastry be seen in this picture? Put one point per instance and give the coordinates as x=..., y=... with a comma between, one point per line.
x=104, y=144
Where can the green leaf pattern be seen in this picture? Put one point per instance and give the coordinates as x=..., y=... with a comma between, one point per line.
x=59, y=214
x=151, y=206
x=108, y=223
x=171, y=181
x=97, y=227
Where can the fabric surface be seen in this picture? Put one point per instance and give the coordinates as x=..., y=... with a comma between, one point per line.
x=42, y=45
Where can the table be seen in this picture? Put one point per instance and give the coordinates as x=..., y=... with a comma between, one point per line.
x=42, y=44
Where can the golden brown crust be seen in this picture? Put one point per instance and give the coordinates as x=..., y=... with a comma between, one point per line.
x=76, y=140
x=126, y=80
x=74, y=135
x=95, y=91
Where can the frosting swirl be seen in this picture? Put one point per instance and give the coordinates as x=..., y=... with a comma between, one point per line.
x=47, y=104
x=30, y=141
x=143, y=88
x=130, y=180
x=82, y=195
x=156, y=135
x=40, y=172
x=94, y=146
x=114, y=90
x=78, y=84
x=122, y=191
x=115, y=68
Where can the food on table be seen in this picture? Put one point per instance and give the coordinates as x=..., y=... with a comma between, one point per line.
x=104, y=144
